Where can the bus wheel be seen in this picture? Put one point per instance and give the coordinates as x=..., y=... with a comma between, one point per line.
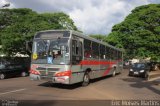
x=114, y=73
x=86, y=79
x=2, y=76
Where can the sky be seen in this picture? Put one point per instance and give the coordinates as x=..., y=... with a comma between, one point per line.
x=90, y=16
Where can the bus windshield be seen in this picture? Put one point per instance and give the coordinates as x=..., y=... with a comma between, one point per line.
x=54, y=51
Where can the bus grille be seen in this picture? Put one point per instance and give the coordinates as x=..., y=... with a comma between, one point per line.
x=48, y=74
x=51, y=74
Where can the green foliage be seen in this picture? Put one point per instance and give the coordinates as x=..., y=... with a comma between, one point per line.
x=20, y=25
x=139, y=33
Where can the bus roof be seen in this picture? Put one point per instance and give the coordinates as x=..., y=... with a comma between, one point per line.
x=79, y=34
x=93, y=39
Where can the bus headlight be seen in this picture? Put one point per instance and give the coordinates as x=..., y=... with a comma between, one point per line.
x=141, y=71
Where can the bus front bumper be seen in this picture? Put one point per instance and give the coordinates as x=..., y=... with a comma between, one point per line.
x=63, y=79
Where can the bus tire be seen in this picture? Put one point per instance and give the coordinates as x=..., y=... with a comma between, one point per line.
x=85, y=79
x=114, y=73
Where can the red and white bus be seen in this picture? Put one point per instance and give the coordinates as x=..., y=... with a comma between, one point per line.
x=68, y=57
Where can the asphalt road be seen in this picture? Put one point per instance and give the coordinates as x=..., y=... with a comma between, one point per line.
x=120, y=87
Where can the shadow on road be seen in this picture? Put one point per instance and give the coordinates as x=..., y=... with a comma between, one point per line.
x=61, y=86
x=99, y=79
x=140, y=83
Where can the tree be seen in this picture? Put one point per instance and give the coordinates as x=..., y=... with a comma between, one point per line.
x=139, y=33
x=19, y=25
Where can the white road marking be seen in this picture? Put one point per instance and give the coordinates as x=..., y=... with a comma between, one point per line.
x=12, y=91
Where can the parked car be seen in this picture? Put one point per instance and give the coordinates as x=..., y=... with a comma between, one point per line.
x=139, y=69
x=10, y=68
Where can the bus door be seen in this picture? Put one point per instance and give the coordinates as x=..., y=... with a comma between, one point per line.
x=77, y=55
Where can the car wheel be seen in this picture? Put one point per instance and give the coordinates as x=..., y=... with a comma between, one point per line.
x=23, y=74
x=85, y=79
x=129, y=74
x=2, y=76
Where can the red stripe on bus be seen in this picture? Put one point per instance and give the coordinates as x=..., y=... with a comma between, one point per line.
x=108, y=70
x=94, y=62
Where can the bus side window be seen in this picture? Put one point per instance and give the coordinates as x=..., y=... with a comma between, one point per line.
x=95, y=50
x=87, y=48
x=76, y=52
x=76, y=48
x=107, y=53
x=80, y=48
x=119, y=55
x=102, y=52
x=73, y=47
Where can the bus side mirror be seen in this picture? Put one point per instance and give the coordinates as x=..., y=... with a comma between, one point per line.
x=29, y=46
